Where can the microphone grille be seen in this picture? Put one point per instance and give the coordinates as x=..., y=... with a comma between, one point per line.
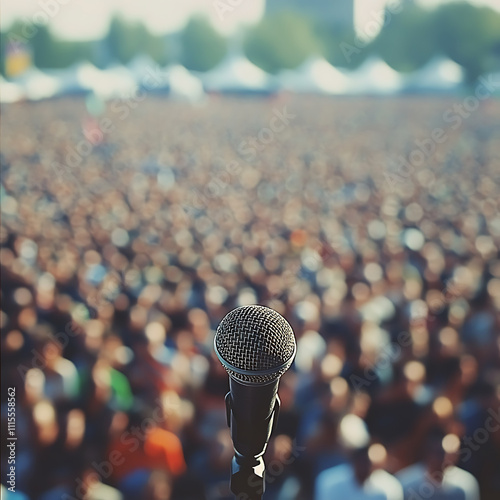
x=255, y=339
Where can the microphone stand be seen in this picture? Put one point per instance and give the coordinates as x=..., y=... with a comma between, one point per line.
x=247, y=477
x=248, y=471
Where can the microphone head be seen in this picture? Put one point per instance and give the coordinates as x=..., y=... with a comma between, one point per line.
x=255, y=344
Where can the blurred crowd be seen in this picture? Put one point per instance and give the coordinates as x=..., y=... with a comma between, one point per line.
x=126, y=237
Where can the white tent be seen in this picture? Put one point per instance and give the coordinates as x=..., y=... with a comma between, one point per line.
x=10, y=91
x=106, y=84
x=315, y=75
x=440, y=73
x=183, y=84
x=237, y=74
x=115, y=82
x=147, y=74
x=375, y=76
x=77, y=78
x=495, y=77
x=139, y=65
x=36, y=84
x=84, y=77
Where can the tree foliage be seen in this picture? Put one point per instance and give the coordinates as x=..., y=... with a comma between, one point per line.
x=470, y=36
x=126, y=40
x=281, y=41
x=49, y=52
x=202, y=46
x=408, y=40
x=3, y=47
x=342, y=47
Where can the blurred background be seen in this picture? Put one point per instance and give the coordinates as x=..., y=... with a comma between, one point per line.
x=56, y=47
x=165, y=162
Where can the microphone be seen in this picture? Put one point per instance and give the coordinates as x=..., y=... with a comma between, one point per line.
x=256, y=345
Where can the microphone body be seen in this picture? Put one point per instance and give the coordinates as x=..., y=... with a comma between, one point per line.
x=256, y=346
x=252, y=416
x=252, y=412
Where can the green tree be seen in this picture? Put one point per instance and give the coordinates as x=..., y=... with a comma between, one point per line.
x=37, y=37
x=48, y=51
x=341, y=47
x=3, y=48
x=62, y=53
x=202, y=47
x=156, y=47
x=470, y=36
x=408, y=39
x=281, y=41
x=44, y=48
x=123, y=40
x=153, y=45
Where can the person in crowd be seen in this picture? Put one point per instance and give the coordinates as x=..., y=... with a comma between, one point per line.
x=436, y=476
x=120, y=258
x=358, y=480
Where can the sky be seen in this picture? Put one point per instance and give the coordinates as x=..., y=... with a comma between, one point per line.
x=89, y=19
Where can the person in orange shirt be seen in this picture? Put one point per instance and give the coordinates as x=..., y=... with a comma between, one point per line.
x=139, y=447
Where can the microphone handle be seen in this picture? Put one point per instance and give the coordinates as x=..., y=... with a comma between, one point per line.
x=252, y=413
x=251, y=416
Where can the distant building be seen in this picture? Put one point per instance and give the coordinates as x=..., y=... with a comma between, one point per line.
x=335, y=12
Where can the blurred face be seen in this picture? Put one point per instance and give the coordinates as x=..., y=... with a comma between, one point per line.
x=51, y=353
x=75, y=428
x=44, y=416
